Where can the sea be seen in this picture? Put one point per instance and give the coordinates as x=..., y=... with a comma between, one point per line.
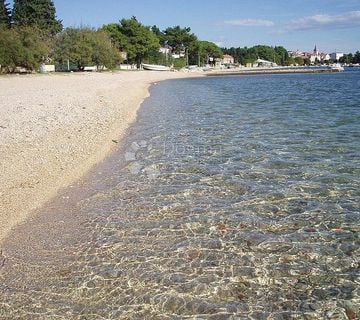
x=231, y=197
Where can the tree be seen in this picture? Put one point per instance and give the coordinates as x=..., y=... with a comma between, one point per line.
x=281, y=55
x=299, y=61
x=117, y=37
x=159, y=34
x=33, y=49
x=21, y=47
x=40, y=13
x=241, y=56
x=211, y=49
x=201, y=51
x=179, y=38
x=347, y=58
x=9, y=45
x=74, y=44
x=356, y=58
x=265, y=52
x=104, y=52
x=134, y=38
x=4, y=14
x=85, y=46
x=290, y=61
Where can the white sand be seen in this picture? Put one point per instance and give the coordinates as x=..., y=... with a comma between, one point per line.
x=54, y=128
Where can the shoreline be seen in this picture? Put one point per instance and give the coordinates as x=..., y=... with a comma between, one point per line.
x=55, y=128
x=160, y=232
x=270, y=71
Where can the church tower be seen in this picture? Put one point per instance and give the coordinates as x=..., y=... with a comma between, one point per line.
x=316, y=52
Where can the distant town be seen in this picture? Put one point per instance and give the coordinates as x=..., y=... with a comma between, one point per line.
x=261, y=55
x=320, y=57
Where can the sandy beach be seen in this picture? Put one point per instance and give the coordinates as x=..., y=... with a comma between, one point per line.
x=54, y=128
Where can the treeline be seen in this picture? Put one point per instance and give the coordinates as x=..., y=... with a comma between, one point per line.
x=246, y=55
x=351, y=58
x=31, y=34
x=142, y=43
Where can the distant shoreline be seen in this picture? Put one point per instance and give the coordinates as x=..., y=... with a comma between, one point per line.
x=254, y=71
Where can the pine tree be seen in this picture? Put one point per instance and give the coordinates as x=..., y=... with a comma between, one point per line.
x=39, y=13
x=4, y=14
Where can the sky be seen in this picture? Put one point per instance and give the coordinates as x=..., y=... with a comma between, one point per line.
x=333, y=25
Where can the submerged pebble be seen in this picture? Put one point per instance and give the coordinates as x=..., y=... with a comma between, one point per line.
x=226, y=203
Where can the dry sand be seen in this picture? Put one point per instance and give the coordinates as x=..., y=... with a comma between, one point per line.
x=54, y=128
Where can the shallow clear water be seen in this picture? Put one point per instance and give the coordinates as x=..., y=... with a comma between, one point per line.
x=230, y=198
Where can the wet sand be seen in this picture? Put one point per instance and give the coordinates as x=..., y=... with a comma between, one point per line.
x=54, y=128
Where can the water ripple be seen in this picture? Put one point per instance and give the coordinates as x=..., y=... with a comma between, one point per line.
x=237, y=198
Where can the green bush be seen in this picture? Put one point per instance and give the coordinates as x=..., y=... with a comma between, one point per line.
x=21, y=47
x=179, y=63
x=85, y=46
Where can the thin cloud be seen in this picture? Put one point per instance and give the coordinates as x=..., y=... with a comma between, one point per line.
x=250, y=23
x=347, y=19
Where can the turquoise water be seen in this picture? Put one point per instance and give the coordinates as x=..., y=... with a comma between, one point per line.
x=230, y=198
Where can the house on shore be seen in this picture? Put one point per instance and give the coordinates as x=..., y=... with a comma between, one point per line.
x=227, y=60
x=265, y=63
x=165, y=50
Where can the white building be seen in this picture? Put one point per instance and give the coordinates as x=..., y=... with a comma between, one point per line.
x=123, y=55
x=44, y=68
x=227, y=59
x=336, y=56
x=325, y=57
x=265, y=63
x=178, y=55
x=165, y=50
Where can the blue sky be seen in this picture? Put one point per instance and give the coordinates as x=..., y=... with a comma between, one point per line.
x=295, y=24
